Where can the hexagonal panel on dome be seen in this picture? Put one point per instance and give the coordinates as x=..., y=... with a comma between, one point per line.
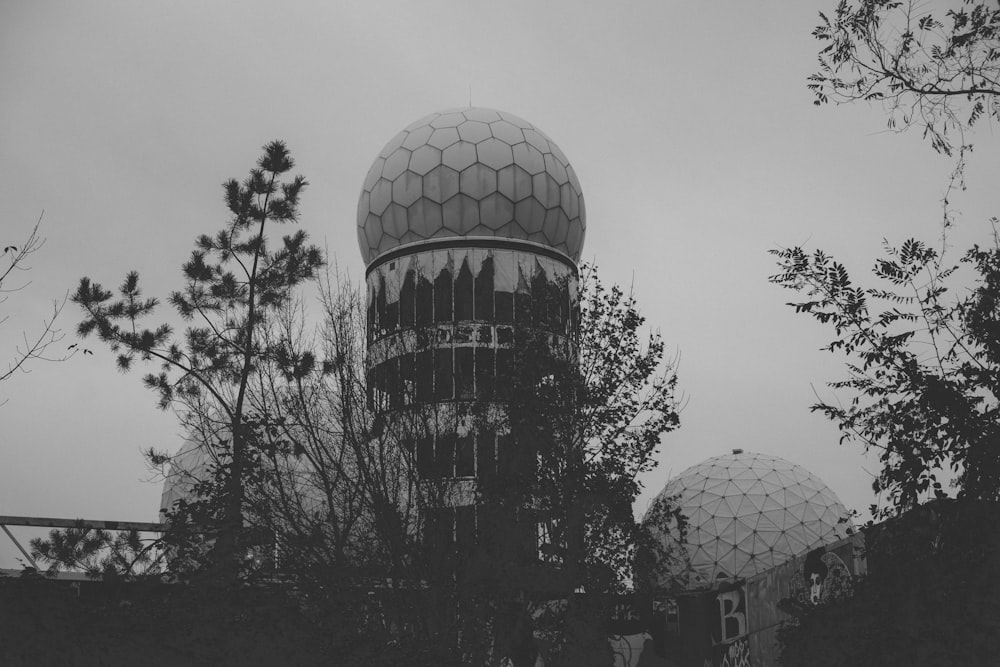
x=440, y=184
x=494, y=153
x=470, y=171
x=507, y=132
x=477, y=181
x=748, y=512
x=473, y=131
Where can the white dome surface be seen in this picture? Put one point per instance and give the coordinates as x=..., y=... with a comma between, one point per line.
x=747, y=513
x=190, y=465
x=471, y=172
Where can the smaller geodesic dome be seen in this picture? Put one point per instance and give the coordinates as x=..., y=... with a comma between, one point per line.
x=193, y=463
x=189, y=466
x=746, y=513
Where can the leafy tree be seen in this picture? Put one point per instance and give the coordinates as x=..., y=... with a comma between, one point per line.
x=597, y=423
x=585, y=426
x=37, y=346
x=923, y=362
x=234, y=282
x=938, y=70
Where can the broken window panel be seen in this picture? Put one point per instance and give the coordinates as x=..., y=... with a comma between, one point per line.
x=465, y=462
x=522, y=304
x=425, y=376
x=425, y=302
x=407, y=378
x=504, y=304
x=486, y=456
x=564, y=321
x=464, y=373
x=505, y=373
x=380, y=306
x=442, y=297
x=407, y=300
x=444, y=455
x=410, y=447
x=485, y=374
x=484, y=291
x=370, y=386
x=392, y=385
x=438, y=530
x=552, y=306
x=443, y=389
x=371, y=323
x=464, y=293
x=391, y=316
x=539, y=297
x=425, y=456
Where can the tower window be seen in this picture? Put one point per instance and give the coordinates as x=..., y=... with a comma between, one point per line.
x=444, y=455
x=465, y=463
x=425, y=376
x=425, y=456
x=505, y=372
x=391, y=316
x=406, y=300
x=464, y=373
x=485, y=374
x=442, y=297
x=407, y=379
x=443, y=389
x=425, y=302
x=464, y=293
x=486, y=455
x=484, y=291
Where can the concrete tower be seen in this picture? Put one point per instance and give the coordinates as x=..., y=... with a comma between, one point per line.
x=471, y=222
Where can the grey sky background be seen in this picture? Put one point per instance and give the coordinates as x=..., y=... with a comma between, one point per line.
x=689, y=124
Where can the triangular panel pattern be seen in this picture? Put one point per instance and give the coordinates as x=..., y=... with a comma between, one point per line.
x=747, y=513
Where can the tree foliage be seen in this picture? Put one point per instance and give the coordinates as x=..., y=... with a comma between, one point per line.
x=938, y=70
x=233, y=283
x=597, y=423
x=923, y=362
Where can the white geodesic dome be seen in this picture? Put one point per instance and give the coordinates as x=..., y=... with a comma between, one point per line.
x=746, y=513
x=190, y=465
x=471, y=173
x=193, y=464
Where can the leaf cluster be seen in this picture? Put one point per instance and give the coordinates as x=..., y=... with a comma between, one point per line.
x=235, y=282
x=936, y=70
x=595, y=421
x=924, y=365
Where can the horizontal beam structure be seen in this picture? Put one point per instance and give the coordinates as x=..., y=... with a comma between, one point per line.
x=494, y=242
x=46, y=522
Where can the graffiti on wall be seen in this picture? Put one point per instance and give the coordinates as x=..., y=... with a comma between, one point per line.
x=823, y=578
x=736, y=654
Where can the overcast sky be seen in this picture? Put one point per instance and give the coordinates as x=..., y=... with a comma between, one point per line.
x=689, y=125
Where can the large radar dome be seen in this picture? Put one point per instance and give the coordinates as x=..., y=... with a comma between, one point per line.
x=471, y=172
x=746, y=513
